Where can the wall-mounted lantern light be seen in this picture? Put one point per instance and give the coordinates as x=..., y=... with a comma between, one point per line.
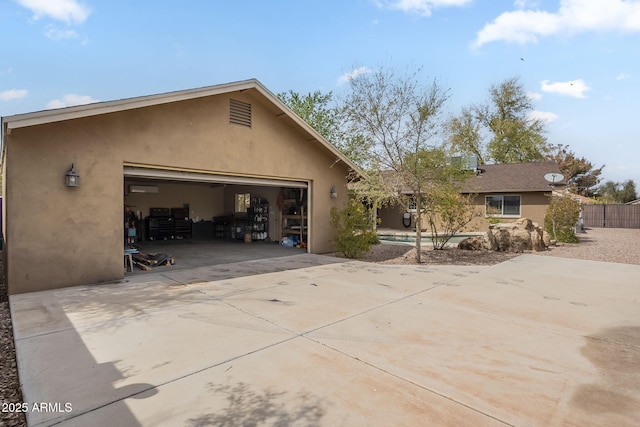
x=333, y=192
x=71, y=178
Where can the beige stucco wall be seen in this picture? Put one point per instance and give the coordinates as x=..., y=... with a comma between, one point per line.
x=391, y=217
x=532, y=206
x=58, y=236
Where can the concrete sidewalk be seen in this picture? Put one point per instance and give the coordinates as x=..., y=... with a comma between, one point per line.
x=532, y=341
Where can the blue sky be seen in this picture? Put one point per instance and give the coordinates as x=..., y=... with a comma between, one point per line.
x=579, y=59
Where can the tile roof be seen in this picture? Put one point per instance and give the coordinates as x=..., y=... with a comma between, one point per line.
x=512, y=177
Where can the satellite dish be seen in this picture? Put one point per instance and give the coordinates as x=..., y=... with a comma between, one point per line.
x=554, y=177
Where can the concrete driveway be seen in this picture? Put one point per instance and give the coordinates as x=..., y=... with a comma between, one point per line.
x=539, y=341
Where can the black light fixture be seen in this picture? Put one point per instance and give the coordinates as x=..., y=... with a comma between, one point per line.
x=71, y=178
x=333, y=192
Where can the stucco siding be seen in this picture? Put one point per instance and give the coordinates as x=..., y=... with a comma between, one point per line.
x=532, y=205
x=51, y=229
x=60, y=236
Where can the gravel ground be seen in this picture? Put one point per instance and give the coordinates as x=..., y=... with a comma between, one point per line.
x=10, y=392
x=598, y=244
x=392, y=253
x=602, y=244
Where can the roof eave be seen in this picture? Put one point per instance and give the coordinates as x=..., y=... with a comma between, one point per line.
x=87, y=110
x=69, y=113
x=509, y=190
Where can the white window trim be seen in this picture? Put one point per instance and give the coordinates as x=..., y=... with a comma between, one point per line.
x=501, y=215
x=412, y=206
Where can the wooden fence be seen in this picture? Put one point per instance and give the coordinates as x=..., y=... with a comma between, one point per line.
x=611, y=216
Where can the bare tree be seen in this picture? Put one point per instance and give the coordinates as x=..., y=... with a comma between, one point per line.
x=401, y=125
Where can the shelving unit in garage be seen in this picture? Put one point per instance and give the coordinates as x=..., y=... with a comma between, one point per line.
x=259, y=219
x=294, y=216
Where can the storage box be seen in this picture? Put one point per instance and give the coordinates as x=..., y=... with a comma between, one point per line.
x=180, y=213
x=159, y=212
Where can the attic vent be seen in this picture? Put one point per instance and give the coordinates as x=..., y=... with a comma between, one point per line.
x=239, y=113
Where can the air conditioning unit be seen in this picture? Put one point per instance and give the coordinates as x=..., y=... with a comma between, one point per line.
x=152, y=189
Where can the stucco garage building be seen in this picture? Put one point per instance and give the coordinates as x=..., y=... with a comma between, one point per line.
x=197, y=150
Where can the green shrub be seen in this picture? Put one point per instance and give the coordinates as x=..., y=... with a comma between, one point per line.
x=561, y=219
x=566, y=236
x=372, y=237
x=354, y=231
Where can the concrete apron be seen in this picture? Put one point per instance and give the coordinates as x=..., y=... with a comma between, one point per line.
x=532, y=341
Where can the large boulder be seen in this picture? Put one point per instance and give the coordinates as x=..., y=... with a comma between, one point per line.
x=519, y=236
x=520, y=241
x=474, y=243
x=503, y=238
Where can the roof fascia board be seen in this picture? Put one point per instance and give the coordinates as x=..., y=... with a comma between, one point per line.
x=69, y=113
x=509, y=191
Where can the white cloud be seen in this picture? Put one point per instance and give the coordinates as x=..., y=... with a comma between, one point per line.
x=622, y=76
x=573, y=16
x=69, y=11
x=545, y=116
x=525, y=4
x=575, y=88
x=69, y=100
x=420, y=7
x=534, y=96
x=345, y=78
x=58, y=34
x=10, y=95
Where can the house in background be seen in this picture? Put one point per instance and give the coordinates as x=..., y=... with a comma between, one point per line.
x=503, y=192
x=583, y=200
x=205, y=153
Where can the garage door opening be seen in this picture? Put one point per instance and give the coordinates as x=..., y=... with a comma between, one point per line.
x=199, y=219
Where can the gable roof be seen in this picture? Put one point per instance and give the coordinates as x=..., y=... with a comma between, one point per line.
x=512, y=177
x=70, y=113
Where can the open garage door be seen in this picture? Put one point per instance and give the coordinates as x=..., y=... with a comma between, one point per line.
x=188, y=176
x=170, y=207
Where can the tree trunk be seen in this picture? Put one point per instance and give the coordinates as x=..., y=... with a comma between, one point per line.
x=374, y=215
x=418, y=228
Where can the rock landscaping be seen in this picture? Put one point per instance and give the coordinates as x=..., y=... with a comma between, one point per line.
x=519, y=236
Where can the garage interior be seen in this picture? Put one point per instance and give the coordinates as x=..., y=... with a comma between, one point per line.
x=181, y=219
